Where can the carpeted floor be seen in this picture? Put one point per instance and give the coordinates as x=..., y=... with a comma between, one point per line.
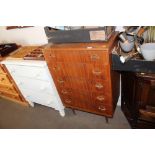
x=14, y=116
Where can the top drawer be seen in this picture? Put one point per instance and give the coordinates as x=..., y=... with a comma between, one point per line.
x=84, y=56
x=28, y=71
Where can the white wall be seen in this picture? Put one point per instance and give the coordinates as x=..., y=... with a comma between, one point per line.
x=25, y=36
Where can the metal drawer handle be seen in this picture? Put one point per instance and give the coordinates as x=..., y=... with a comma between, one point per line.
x=99, y=86
x=56, y=68
x=61, y=81
x=2, y=79
x=64, y=92
x=52, y=55
x=95, y=57
x=67, y=101
x=8, y=88
x=100, y=98
x=96, y=72
x=102, y=108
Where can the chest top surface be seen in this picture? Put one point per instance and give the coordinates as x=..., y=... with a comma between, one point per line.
x=85, y=46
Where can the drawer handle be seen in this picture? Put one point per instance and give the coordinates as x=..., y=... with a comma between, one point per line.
x=43, y=88
x=102, y=108
x=49, y=102
x=100, y=98
x=52, y=55
x=67, y=101
x=95, y=57
x=20, y=83
x=61, y=81
x=64, y=92
x=2, y=79
x=99, y=86
x=12, y=71
x=56, y=68
x=27, y=96
x=96, y=72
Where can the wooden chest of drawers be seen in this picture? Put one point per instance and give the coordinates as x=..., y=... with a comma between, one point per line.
x=8, y=88
x=83, y=76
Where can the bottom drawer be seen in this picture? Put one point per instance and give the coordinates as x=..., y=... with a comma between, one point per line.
x=12, y=96
x=103, y=109
x=96, y=109
x=40, y=98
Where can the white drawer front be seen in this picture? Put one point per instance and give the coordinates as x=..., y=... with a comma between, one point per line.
x=40, y=98
x=28, y=71
x=39, y=86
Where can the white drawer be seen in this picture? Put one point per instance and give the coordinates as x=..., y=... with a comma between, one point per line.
x=39, y=86
x=28, y=71
x=40, y=98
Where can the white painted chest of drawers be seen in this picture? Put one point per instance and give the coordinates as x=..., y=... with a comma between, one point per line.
x=35, y=82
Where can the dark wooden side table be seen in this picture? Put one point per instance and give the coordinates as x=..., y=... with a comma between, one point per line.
x=138, y=99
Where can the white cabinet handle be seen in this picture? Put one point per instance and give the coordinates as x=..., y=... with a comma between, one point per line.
x=19, y=83
x=49, y=102
x=43, y=88
x=27, y=96
x=12, y=71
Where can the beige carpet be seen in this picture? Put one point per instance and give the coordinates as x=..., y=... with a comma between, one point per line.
x=14, y=116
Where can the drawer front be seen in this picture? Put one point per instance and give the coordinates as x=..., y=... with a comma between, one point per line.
x=12, y=96
x=82, y=85
x=84, y=56
x=76, y=99
x=99, y=85
x=4, y=79
x=40, y=98
x=85, y=102
x=35, y=85
x=80, y=70
x=7, y=88
x=1, y=70
x=101, y=98
x=74, y=84
x=98, y=71
x=27, y=71
x=102, y=109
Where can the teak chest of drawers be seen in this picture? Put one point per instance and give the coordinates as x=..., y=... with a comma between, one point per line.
x=83, y=76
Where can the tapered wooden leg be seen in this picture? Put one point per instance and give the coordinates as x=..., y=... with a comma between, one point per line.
x=74, y=111
x=106, y=119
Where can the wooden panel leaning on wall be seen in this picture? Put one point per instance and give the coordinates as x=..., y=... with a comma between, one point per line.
x=83, y=76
